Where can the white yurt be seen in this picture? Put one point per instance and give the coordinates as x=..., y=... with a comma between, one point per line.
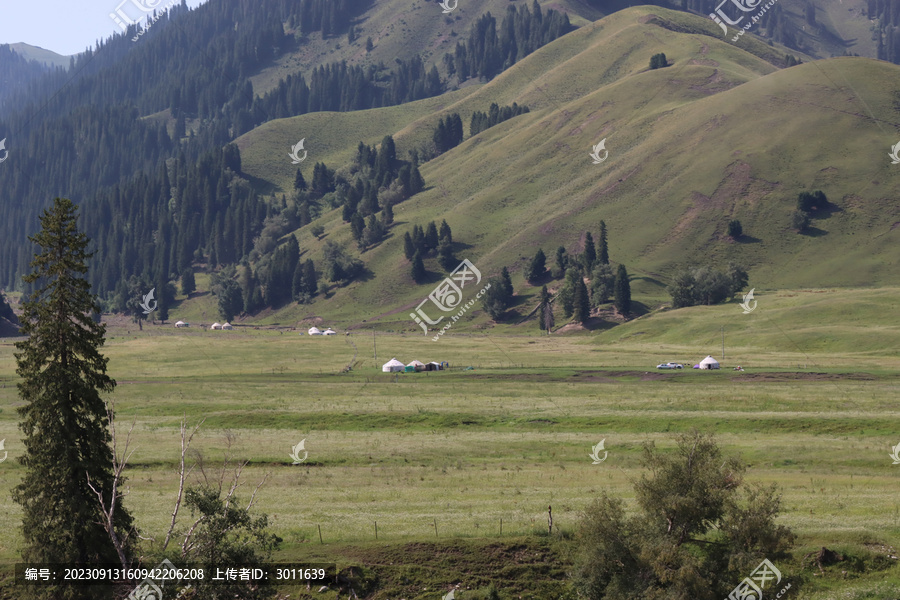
x=216, y=326
x=393, y=366
x=329, y=331
x=418, y=366
x=182, y=324
x=314, y=331
x=227, y=326
x=709, y=363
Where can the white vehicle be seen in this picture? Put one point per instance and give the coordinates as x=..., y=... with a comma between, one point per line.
x=670, y=365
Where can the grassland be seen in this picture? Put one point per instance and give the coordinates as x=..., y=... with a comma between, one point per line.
x=463, y=449
x=720, y=134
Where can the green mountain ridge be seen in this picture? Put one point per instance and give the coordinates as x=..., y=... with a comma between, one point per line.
x=720, y=134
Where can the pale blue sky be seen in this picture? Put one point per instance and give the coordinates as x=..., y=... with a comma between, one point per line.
x=65, y=26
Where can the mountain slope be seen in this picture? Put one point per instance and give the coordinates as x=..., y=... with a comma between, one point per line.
x=719, y=134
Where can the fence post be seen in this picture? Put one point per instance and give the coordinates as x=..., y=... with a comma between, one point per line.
x=435, y=527
x=320, y=534
x=501, y=525
x=376, y=530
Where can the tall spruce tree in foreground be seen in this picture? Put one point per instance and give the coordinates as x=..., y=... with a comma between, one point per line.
x=64, y=419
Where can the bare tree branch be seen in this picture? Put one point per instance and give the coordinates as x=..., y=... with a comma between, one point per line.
x=253, y=495
x=109, y=508
x=185, y=444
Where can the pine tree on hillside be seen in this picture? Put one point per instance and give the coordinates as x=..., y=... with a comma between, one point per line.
x=603, y=256
x=537, y=267
x=431, y=237
x=64, y=420
x=446, y=258
x=409, y=249
x=622, y=292
x=445, y=232
x=545, y=311
x=589, y=256
x=582, y=302
x=562, y=262
x=188, y=285
x=299, y=182
x=506, y=285
x=418, y=268
x=310, y=280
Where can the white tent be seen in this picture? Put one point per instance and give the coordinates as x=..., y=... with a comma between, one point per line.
x=315, y=331
x=216, y=326
x=227, y=326
x=393, y=366
x=329, y=331
x=418, y=366
x=709, y=363
x=182, y=324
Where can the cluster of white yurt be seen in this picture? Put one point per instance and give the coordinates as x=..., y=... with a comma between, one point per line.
x=317, y=331
x=220, y=326
x=395, y=366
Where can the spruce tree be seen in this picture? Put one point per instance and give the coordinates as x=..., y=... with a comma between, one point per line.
x=603, y=255
x=445, y=232
x=310, y=280
x=299, y=181
x=418, y=268
x=297, y=282
x=582, y=302
x=545, y=312
x=506, y=285
x=188, y=285
x=431, y=237
x=64, y=420
x=622, y=292
x=535, y=270
x=409, y=249
x=562, y=262
x=589, y=256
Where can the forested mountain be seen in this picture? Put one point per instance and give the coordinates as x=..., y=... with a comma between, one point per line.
x=15, y=72
x=138, y=134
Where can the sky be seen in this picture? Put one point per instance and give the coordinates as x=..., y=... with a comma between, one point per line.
x=67, y=26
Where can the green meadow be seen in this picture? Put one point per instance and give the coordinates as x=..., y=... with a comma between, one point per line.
x=438, y=459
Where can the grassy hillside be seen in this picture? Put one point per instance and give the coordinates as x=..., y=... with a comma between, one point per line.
x=719, y=134
x=401, y=28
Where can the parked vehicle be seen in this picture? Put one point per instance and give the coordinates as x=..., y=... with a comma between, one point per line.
x=670, y=365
